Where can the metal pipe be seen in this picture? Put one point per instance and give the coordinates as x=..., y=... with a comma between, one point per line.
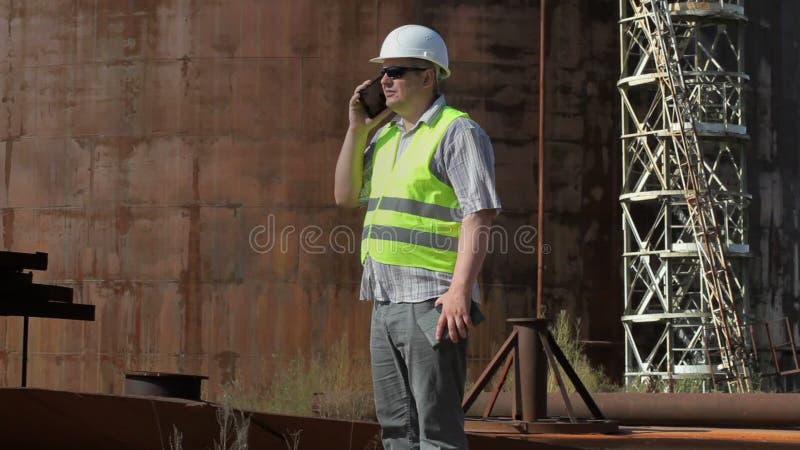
x=24, y=375
x=531, y=364
x=790, y=334
x=710, y=410
x=540, y=218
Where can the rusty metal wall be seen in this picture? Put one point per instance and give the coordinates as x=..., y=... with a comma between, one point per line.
x=146, y=142
x=773, y=58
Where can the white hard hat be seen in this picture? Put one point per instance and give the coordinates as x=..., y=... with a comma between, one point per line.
x=416, y=41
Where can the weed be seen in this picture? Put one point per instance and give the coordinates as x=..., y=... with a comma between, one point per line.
x=292, y=439
x=233, y=428
x=176, y=439
x=567, y=337
x=336, y=384
x=346, y=382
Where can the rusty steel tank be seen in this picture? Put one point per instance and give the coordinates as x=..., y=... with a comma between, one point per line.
x=175, y=160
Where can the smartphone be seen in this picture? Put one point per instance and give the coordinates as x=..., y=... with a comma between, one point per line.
x=428, y=321
x=372, y=98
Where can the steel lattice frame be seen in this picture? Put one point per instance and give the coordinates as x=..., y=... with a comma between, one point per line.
x=668, y=323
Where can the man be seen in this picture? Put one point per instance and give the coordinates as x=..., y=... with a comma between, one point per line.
x=427, y=178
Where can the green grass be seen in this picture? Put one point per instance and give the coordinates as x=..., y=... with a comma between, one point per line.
x=678, y=386
x=567, y=337
x=335, y=384
x=338, y=383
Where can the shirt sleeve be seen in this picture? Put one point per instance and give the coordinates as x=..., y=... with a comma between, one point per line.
x=468, y=163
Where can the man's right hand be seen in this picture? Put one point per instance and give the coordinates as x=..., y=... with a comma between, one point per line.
x=359, y=121
x=350, y=164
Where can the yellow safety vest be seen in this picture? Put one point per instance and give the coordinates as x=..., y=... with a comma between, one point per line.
x=413, y=219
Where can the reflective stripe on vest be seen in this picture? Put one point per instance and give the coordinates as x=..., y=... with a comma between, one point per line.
x=416, y=237
x=413, y=219
x=416, y=207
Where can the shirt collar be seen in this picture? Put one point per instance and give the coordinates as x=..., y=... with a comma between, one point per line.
x=431, y=113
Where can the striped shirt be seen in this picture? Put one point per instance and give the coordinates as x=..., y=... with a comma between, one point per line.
x=463, y=160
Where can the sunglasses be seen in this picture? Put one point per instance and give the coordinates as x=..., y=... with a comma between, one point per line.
x=395, y=72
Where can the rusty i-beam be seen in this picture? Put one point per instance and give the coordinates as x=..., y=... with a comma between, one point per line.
x=19, y=296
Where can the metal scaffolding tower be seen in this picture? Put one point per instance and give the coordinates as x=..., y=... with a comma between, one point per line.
x=684, y=198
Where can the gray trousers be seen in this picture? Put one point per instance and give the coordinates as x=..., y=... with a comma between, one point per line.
x=418, y=390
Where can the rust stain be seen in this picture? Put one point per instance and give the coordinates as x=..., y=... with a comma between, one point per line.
x=9, y=153
x=131, y=33
x=8, y=228
x=226, y=43
x=190, y=287
x=138, y=300
x=187, y=84
x=126, y=147
x=190, y=282
x=132, y=88
x=227, y=365
x=123, y=220
x=196, y=179
x=7, y=100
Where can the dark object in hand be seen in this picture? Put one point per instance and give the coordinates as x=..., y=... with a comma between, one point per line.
x=372, y=98
x=428, y=322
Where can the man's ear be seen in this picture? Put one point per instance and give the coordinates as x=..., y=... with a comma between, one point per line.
x=430, y=77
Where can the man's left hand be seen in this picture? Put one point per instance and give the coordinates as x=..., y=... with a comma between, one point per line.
x=455, y=315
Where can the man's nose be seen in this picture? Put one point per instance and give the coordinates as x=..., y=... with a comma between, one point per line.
x=386, y=80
